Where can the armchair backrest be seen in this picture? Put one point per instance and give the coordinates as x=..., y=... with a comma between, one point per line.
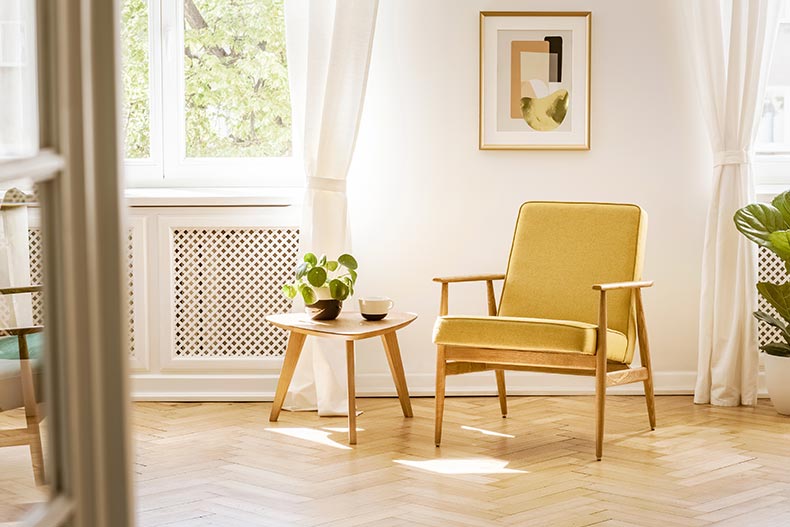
x=561, y=249
x=15, y=310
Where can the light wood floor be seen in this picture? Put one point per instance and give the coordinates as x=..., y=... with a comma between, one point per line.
x=224, y=464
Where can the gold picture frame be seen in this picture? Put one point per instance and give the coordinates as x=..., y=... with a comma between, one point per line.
x=535, y=80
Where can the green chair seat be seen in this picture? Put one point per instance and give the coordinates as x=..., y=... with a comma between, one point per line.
x=10, y=371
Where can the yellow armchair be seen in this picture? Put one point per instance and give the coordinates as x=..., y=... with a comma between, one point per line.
x=574, y=275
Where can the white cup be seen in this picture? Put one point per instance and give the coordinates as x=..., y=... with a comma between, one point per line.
x=375, y=307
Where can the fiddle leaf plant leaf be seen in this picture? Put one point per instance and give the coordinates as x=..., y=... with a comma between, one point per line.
x=778, y=349
x=769, y=319
x=779, y=243
x=757, y=221
x=782, y=204
x=778, y=295
x=347, y=261
x=317, y=276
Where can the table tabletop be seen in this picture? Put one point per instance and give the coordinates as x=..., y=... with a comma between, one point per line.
x=347, y=326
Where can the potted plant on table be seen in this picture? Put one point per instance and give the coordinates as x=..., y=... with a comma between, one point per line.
x=323, y=284
x=768, y=225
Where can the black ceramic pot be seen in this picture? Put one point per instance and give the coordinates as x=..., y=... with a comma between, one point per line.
x=324, y=309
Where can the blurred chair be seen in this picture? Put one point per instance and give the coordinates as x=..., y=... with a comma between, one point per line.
x=20, y=340
x=571, y=303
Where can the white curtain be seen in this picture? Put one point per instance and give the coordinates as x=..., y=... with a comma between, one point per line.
x=329, y=44
x=732, y=42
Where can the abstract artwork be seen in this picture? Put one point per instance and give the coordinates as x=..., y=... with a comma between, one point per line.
x=534, y=80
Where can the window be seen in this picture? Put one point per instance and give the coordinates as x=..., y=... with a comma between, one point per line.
x=18, y=112
x=206, y=98
x=772, y=145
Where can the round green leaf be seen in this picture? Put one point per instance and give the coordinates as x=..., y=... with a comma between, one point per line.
x=347, y=261
x=316, y=276
x=757, y=221
x=309, y=295
x=331, y=265
x=310, y=258
x=353, y=275
x=302, y=269
x=338, y=289
x=289, y=291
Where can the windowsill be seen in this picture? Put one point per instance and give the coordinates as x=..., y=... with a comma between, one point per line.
x=765, y=193
x=214, y=197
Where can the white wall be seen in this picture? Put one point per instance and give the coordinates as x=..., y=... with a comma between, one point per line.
x=425, y=201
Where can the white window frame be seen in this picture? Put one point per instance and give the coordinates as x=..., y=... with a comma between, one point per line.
x=771, y=165
x=168, y=166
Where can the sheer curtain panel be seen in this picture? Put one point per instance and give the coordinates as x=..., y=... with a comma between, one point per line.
x=732, y=45
x=329, y=45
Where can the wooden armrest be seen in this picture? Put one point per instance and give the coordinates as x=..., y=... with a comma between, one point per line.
x=469, y=278
x=21, y=289
x=623, y=285
x=25, y=330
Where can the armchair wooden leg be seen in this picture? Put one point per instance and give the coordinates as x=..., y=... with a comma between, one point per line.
x=600, y=404
x=644, y=355
x=600, y=376
x=31, y=412
x=500, y=387
x=440, y=382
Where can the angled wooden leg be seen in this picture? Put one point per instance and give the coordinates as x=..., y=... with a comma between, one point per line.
x=352, y=394
x=31, y=411
x=392, y=351
x=644, y=354
x=292, y=352
x=440, y=381
x=500, y=388
x=600, y=377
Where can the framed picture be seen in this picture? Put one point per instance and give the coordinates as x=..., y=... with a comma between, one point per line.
x=534, y=81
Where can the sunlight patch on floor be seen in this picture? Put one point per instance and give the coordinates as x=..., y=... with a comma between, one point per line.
x=486, y=432
x=310, y=434
x=462, y=466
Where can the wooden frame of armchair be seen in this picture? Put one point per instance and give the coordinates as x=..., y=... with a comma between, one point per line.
x=456, y=360
x=31, y=434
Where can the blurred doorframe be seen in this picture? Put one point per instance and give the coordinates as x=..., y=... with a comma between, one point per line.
x=79, y=182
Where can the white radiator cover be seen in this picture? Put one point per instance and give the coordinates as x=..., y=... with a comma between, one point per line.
x=225, y=281
x=770, y=268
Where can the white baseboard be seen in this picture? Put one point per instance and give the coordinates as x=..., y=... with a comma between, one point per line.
x=260, y=387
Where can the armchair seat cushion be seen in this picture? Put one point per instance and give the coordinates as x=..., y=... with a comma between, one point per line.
x=10, y=371
x=532, y=334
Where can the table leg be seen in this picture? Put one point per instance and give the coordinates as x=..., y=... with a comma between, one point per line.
x=396, y=367
x=292, y=352
x=352, y=394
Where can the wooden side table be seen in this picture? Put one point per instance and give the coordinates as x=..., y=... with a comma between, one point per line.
x=349, y=327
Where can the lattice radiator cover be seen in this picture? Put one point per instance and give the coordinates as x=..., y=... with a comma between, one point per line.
x=224, y=282
x=770, y=268
x=34, y=239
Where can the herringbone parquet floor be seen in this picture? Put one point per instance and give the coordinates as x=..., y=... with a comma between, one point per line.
x=224, y=464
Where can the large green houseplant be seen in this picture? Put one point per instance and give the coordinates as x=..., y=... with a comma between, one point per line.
x=323, y=284
x=768, y=225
